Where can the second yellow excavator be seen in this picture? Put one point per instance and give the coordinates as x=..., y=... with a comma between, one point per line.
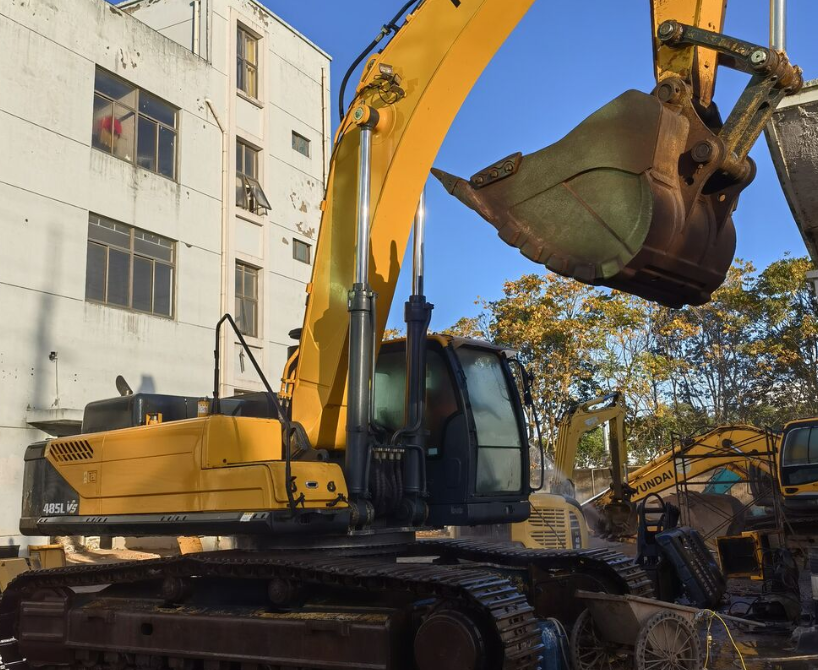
x=326, y=483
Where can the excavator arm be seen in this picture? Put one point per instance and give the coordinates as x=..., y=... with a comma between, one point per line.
x=693, y=64
x=744, y=450
x=581, y=419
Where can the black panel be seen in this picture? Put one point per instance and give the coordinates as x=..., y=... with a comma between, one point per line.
x=474, y=513
x=45, y=492
x=305, y=522
x=130, y=410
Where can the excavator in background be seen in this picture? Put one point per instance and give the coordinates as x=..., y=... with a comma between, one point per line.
x=322, y=490
x=744, y=451
x=781, y=469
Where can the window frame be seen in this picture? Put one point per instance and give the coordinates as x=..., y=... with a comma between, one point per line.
x=307, y=142
x=244, y=35
x=139, y=116
x=252, y=270
x=253, y=198
x=300, y=243
x=133, y=254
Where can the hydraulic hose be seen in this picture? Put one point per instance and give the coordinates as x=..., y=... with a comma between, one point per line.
x=386, y=30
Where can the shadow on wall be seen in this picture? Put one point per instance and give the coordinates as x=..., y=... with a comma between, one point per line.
x=42, y=364
x=147, y=384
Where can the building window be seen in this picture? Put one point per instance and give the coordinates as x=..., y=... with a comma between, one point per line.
x=134, y=125
x=128, y=267
x=301, y=251
x=301, y=144
x=249, y=194
x=247, y=62
x=247, y=299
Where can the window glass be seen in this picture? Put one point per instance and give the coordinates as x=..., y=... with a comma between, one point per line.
x=247, y=299
x=246, y=62
x=146, y=144
x=498, y=470
x=95, y=272
x=490, y=399
x=301, y=144
x=142, y=283
x=134, y=125
x=246, y=159
x=241, y=80
x=796, y=447
x=167, y=152
x=152, y=245
x=157, y=109
x=121, y=269
x=163, y=290
x=124, y=135
x=301, y=251
x=390, y=390
x=390, y=394
x=109, y=232
x=115, y=88
x=104, y=124
x=250, y=49
x=249, y=194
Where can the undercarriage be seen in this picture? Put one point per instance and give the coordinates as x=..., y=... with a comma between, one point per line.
x=430, y=604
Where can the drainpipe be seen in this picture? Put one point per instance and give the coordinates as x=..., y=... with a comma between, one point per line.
x=324, y=133
x=778, y=24
x=197, y=22
x=223, y=306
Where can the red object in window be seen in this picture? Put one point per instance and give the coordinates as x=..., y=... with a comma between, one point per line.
x=106, y=125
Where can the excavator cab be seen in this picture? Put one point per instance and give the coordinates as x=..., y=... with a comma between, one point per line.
x=639, y=197
x=798, y=466
x=477, y=463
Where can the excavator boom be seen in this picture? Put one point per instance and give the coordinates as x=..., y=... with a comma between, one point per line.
x=417, y=84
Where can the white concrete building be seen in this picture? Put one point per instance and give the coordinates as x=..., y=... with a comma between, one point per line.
x=124, y=229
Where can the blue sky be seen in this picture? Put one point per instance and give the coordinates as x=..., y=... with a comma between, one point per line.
x=564, y=61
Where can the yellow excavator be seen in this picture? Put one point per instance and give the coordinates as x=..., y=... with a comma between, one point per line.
x=786, y=461
x=326, y=483
x=557, y=520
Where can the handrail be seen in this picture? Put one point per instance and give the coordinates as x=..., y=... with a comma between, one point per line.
x=272, y=401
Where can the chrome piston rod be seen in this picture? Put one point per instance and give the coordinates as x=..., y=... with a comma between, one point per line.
x=361, y=330
x=419, y=249
x=778, y=25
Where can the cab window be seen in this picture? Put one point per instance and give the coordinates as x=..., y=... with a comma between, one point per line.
x=390, y=395
x=499, y=458
x=799, y=456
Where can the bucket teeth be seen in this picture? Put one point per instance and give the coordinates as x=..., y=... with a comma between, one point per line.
x=449, y=181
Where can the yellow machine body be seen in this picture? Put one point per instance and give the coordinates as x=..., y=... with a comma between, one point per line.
x=555, y=523
x=736, y=447
x=216, y=462
x=9, y=569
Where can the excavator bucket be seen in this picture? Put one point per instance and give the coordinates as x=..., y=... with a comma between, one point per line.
x=634, y=198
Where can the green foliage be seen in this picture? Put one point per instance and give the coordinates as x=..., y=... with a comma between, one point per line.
x=748, y=356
